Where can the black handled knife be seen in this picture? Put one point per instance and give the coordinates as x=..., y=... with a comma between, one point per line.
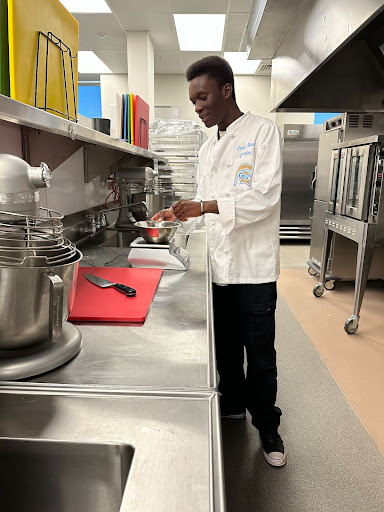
x=104, y=283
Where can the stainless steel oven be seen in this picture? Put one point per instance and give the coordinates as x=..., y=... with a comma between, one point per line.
x=355, y=210
x=341, y=265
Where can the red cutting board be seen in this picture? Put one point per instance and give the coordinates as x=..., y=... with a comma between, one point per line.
x=141, y=117
x=96, y=304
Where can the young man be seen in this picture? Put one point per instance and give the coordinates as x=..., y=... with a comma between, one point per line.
x=239, y=188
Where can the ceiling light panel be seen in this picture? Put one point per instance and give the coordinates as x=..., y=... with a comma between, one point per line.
x=200, y=32
x=95, y=6
x=240, y=64
x=90, y=63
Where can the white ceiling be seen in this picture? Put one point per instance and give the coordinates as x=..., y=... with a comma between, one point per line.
x=105, y=33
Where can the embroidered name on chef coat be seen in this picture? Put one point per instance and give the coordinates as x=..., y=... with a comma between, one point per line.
x=244, y=175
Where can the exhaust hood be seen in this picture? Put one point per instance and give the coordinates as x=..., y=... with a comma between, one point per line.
x=329, y=59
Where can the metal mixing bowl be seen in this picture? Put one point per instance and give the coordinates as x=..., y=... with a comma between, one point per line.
x=157, y=232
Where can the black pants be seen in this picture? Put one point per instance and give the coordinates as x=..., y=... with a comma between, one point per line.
x=244, y=316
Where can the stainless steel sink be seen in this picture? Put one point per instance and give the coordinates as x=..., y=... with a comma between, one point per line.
x=110, y=449
x=62, y=476
x=120, y=239
x=109, y=237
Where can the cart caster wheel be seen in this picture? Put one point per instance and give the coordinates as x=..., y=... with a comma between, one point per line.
x=329, y=285
x=351, y=325
x=318, y=290
x=312, y=271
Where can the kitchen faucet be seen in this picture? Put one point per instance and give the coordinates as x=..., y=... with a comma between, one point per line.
x=98, y=220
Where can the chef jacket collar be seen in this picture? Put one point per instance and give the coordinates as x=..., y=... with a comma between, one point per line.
x=233, y=126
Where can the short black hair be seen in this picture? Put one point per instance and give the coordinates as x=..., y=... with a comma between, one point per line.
x=216, y=68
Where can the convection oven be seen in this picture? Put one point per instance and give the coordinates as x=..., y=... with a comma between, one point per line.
x=352, y=186
x=355, y=210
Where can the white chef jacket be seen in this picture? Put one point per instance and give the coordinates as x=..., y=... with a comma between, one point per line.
x=242, y=171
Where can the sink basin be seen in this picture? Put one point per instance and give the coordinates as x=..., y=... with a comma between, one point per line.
x=110, y=237
x=120, y=239
x=47, y=476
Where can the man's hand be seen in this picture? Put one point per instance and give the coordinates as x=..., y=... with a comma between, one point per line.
x=184, y=209
x=166, y=214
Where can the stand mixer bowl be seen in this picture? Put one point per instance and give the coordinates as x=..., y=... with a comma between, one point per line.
x=26, y=301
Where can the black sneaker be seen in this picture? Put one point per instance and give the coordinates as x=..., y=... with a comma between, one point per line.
x=273, y=449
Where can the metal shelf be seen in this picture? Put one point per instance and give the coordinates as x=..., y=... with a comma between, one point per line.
x=50, y=138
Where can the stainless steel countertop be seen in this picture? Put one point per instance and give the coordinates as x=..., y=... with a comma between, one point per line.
x=174, y=347
x=152, y=387
x=177, y=463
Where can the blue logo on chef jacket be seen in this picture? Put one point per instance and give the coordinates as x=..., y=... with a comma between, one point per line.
x=244, y=175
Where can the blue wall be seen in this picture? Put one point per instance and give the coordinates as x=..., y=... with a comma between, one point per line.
x=89, y=100
x=320, y=117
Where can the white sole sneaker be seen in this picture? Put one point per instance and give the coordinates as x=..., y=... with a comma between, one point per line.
x=276, y=459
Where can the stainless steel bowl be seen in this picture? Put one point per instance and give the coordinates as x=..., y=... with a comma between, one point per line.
x=157, y=232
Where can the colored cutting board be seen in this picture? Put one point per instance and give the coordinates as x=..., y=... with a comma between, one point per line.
x=125, y=114
x=141, y=123
x=95, y=304
x=132, y=116
x=119, y=115
x=25, y=19
x=4, y=50
x=128, y=137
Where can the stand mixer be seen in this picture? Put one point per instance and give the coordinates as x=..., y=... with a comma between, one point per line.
x=38, y=272
x=136, y=185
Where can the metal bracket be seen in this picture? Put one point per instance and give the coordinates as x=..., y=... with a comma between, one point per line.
x=102, y=161
x=51, y=148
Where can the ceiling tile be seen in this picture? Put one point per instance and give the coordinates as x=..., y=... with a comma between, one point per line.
x=92, y=24
x=161, y=27
x=83, y=45
x=116, y=61
x=199, y=6
x=155, y=16
x=236, y=27
x=133, y=6
x=168, y=63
